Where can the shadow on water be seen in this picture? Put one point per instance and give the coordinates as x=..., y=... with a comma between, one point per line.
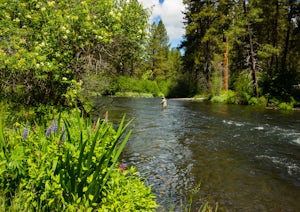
x=246, y=158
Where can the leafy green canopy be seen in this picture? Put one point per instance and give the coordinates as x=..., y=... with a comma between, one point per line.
x=44, y=45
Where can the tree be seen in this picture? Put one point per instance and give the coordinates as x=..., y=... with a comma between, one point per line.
x=126, y=53
x=46, y=47
x=252, y=58
x=205, y=22
x=158, y=49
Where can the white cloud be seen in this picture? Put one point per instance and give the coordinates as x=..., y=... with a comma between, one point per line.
x=171, y=14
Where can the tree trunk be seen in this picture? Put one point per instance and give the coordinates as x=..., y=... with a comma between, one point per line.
x=225, y=66
x=251, y=52
x=207, y=67
x=274, y=58
x=287, y=41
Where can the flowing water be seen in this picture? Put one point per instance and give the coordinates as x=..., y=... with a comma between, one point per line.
x=244, y=158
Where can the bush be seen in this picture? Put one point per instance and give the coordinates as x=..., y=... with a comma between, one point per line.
x=228, y=97
x=275, y=103
x=253, y=101
x=126, y=85
x=70, y=165
x=286, y=106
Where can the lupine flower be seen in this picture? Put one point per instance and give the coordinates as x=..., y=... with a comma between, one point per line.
x=25, y=133
x=48, y=131
x=52, y=128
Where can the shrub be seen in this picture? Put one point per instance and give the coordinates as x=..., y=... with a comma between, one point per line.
x=253, y=101
x=286, y=106
x=70, y=165
x=229, y=97
x=126, y=85
x=282, y=105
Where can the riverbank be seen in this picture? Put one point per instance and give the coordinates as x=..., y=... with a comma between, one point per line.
x=226, y=97
x=197, y=99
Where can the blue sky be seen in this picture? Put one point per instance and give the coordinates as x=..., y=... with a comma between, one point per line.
x=170, y=11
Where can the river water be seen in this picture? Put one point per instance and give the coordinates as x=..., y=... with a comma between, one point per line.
x=243, y=158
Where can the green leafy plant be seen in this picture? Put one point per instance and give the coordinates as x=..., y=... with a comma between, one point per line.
x=70, y=165
x=228, y=97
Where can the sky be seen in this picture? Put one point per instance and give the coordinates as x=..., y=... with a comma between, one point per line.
x=170, y=11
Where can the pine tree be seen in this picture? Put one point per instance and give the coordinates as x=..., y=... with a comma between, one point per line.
x=158, y=49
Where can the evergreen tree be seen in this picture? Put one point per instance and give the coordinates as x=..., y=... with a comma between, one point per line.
x=206, y=22
x=158, y=50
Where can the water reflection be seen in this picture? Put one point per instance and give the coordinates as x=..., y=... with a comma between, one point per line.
x=245, y=158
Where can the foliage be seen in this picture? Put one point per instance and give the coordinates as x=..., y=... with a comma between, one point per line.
x=126, y=192
x=126, y=54
x=243, y=86
x=275, y=103
x=262, y=37
x=158, y=49
x=286, y=106
x=124, y=84
x=46, y=44
x=229, y=97
x=61, y=53
x=70, y=165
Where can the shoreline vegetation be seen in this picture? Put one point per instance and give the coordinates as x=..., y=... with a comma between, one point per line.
x=69, y=164
x=227, y=98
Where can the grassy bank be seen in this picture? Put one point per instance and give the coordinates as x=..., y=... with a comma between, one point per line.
x=232, y=97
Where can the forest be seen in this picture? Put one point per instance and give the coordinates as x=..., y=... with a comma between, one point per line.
x=249, y=47
x=56, y=56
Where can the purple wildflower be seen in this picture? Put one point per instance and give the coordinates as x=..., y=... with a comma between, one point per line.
x=52, y=128
x=48, y=131
x=25, y=133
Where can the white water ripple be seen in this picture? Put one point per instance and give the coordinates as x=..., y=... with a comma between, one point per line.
x=297, y=140
x=291, y=167
x=229, y=122
x=290, y=134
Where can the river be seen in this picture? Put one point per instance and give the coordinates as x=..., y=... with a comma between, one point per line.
x=244, y=158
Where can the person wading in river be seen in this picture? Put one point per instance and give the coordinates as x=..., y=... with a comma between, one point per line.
x=164, y=103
